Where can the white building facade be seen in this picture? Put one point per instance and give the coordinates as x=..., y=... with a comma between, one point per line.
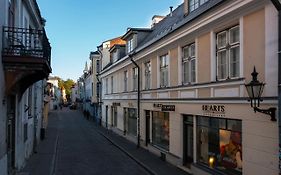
x=194, y=109
x=22, y=91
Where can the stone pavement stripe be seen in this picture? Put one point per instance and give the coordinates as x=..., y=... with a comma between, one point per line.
x=150, y=171
x=54, y=158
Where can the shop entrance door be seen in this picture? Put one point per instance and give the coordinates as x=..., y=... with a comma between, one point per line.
x=106, y=116
x=11, y=106
x=147, y=127
x=125, y=120
x=187, y=140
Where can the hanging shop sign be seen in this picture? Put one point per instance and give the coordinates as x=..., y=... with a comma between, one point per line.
x=214, y=110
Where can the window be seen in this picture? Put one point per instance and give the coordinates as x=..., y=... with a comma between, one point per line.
x=98, y=90
x=220, y=140
x=125, y=81
x=189, y=64
x=188, y=139
x=114, y=113
x=132, y=121
x=147, y=75
x=228, y=53
x=112, y=84
x=106, y=85
x=135, y=78
x=29, y=101
x=25, y=132
x=98, y=66
x=160, y=129
x=114, y=56
x=130, y=45
x=194, y=4
x=164, y=70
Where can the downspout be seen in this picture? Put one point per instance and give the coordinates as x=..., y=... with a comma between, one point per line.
x=277, y=5
x=100, y=92
x=138, y=115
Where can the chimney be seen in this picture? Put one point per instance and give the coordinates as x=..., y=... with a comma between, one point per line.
x=156, y=19
x=171, y=10
x=186, y=9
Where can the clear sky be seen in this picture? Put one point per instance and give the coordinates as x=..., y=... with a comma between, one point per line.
x=77, y=27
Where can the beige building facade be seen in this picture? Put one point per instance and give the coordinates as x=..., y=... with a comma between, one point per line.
x=194, y=108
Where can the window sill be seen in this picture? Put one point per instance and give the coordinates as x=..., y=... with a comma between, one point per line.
x=211, y=170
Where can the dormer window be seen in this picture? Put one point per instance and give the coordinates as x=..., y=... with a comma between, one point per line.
x=130, y=45
x=195, y=4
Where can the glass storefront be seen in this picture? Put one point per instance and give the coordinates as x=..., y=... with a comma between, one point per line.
x=160, y=129
x=219, y=144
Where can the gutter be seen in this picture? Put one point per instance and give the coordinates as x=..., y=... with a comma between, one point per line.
x=138, y=112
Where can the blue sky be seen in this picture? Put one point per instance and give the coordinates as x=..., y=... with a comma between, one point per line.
x=77, y=27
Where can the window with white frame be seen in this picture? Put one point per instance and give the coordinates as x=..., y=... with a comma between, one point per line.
x=195, y=4
x=111, y=84
x=147, y=75
x=130, y=45
x=125, y=81
x=228, y=53
x=135, y=78
x=189, y=64
x=164, y=65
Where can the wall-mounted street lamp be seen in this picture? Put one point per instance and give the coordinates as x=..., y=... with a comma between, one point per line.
x=255, y=89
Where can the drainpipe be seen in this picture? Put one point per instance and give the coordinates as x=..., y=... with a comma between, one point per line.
x=277, y=5
x=138, y=115
x=100, y=92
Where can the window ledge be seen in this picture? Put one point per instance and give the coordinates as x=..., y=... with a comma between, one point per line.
x=212, y=171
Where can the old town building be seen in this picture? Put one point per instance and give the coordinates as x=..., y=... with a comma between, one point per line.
x=192, y=67
x=24, y=93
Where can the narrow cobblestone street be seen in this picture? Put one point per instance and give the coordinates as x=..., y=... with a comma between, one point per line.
x=74, y=145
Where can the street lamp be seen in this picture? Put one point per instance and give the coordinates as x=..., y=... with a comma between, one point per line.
x=255, y=90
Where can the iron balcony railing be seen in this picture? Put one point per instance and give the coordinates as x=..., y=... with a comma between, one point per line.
x=26, y=42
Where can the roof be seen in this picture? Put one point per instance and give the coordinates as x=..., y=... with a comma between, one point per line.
x=132, y=30
x=174, y=22
x=95, y=53
x=115, y=46
x=170, y=24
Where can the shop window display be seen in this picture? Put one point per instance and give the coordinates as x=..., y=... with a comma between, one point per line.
x=132, y=121
x=160, y=129
x=219, y=144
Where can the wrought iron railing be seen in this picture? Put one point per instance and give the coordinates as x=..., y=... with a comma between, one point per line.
x=26, y=42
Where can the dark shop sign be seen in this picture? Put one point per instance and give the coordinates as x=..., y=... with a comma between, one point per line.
x=115, y=104
x=168, y=108
x=164, y=107
x=214, y=110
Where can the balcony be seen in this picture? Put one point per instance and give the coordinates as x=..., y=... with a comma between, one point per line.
x=26, y=57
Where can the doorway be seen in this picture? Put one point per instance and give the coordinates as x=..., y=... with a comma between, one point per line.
x=147, y=127
x=106, y=117
x=187, y=140
x=11, y=130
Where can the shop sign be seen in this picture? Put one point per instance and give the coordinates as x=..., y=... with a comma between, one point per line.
x=168, y=108
x=115, y=104
x=214, y=110
x=164, y=107
x=157, y=105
